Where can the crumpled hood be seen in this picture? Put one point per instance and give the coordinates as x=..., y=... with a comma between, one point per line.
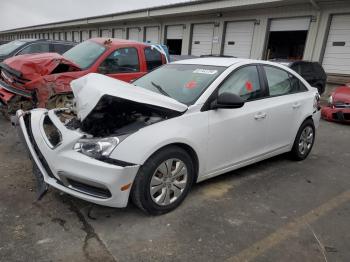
x=341, y=94
x=88, y=90
x=32, y=66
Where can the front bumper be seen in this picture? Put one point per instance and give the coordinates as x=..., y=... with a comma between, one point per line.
x=336, y=114
x=72, y=172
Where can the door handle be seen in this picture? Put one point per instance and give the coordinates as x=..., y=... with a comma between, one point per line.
x=260, y=116
x=296, y=105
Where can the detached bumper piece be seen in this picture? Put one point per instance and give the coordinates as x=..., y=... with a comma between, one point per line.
x=42, y=187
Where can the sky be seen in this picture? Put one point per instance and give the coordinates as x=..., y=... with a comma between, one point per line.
x=21, y=13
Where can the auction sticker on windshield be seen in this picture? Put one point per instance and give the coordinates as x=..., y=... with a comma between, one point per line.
x=205, y=71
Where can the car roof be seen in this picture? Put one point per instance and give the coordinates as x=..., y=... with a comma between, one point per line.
x=213, y=61
x=116, y=42
x=32, y=40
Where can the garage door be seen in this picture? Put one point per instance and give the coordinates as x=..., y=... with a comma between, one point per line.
x=118, y=33
x=336, y=59
x=62, y=36
x=152, y=34
x=202, y=39
x=93, y=33
x=134, y=34
x=106, y=33
x=290, y=24
x=238, y=39
x=84, y=35
x=175, y=32
x=76, y=36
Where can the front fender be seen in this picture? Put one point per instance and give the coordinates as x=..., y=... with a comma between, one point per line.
x=189, y=129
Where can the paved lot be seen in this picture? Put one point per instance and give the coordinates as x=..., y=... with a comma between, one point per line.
x=277, y=210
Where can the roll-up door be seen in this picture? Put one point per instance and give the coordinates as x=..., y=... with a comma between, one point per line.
x=336, y=58
x=94, y=33
x=84, y=35
x=106, y=33
x=239, y=39
x=76, y=36
x=174, y=32
x=152, y=35
x=290, y=24
x=134, y=34
x=202, y=39
x=69, y=36
x=118, y=33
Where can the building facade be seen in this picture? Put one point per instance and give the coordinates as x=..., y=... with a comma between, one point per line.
x=317, y=30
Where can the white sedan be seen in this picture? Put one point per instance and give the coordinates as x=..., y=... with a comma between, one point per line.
x=180, y=124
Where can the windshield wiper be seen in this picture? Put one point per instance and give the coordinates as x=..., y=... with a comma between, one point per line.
x=160, y=89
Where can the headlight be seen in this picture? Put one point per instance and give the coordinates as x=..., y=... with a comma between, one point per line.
x=97, y=148
x=330, y=100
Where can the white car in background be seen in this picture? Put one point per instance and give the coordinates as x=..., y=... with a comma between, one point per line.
x=180, y=124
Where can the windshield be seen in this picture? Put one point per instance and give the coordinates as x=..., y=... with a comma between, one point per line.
x=6, y=49
x=184, y=83
x=85, y=54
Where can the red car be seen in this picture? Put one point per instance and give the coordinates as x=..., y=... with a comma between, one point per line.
x=43, y=80
x=338, y=109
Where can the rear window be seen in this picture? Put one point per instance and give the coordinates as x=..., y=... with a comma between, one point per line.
x=61, y=48
x=85, y=54
x=153, y=58
x=8, y=48
x=184, y=83
x=35, y=48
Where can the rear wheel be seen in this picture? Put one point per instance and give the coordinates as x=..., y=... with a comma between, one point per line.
x=164, y=181
x=304, y=140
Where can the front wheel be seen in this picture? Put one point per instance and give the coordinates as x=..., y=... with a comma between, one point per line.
x=164, y=181
x=304, y=140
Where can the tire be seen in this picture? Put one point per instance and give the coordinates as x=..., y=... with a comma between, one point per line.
x=163, y=198
x=303, y=142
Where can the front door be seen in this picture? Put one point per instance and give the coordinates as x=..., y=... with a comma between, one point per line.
x=238, y=135
x=122, y=64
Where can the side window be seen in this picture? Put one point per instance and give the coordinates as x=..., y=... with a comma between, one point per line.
x=123, y=60
x=279, y=82
x=297, y=85
x=153, y=58
x=36, y=48
x=244, y=82
x=60, y=48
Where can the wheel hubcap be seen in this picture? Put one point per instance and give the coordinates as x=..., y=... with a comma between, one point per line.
x=306, y=140
x=168, y=182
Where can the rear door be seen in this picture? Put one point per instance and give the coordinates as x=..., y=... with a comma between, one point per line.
x=124, y=64
x=286, y=102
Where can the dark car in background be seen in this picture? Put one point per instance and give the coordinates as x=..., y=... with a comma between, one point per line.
x=312, y=72
x=31, y=46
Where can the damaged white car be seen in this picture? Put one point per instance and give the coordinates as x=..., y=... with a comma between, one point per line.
x=180, y=124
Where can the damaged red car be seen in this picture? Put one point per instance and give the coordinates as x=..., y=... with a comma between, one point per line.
x=43, y=80
x=338, y=108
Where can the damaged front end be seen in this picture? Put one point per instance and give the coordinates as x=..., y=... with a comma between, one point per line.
x=72, y=148
x=26, y=81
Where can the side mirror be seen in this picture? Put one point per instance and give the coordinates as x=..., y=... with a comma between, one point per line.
x=227, y=100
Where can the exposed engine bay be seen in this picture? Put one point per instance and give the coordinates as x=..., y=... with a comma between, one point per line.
x=116, y=116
